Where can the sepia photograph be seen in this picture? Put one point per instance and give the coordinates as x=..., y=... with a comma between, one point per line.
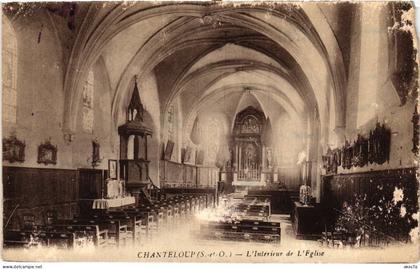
x=210, y=132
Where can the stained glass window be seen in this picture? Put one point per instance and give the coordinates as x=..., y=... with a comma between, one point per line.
x=87, y=100
x=9, y=73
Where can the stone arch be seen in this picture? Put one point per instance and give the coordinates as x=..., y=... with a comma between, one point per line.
x=140, y=58
x=122, y=20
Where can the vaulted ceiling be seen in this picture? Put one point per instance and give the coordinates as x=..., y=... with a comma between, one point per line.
x=283, y=58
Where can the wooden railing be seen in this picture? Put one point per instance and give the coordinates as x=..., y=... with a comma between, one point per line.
x=176, y=175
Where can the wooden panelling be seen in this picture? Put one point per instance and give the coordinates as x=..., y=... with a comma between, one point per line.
x=207, y=176
x=376, y=185
x=339, y=188
x=190, y=175
x=37, y=190
x=289, y=176
x=175, y=191
x=173, y=172
x=185, y=175
x=91, y=185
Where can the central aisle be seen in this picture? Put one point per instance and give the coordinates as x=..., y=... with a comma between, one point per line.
x=186, y=234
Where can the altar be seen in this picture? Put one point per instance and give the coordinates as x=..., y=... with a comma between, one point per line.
x=116, y=196
x=247, y=147
x=252, y=156
x=112, y=203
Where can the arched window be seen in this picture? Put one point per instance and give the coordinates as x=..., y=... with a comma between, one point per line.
x=9, y=66
x=88, y=103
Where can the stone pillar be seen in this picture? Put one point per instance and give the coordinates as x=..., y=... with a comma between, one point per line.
x=340, y=134
x=352, y=90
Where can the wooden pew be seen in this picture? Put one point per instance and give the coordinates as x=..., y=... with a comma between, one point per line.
x=159, y=212
x=167, y=214
x=203, y=202
x=57, y=239
x=124, y=225
x=138, y=221
x=182, y=208
x=257, y=212
x=152, y=218
x=140, y=224
x=116, y=226
x=118, y=233
x=256, y=208
x=248, y=230
x=49, y=236
x=187, y=203
x=84, y=233
x=194, y=204
x=19, y=238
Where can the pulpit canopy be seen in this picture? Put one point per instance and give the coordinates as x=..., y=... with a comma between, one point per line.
x=135, y=117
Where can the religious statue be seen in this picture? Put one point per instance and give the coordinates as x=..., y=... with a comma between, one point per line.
x=250, y=126
x=305, y=194
x=269, y=158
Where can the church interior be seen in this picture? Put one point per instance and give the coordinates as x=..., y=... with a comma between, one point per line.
x=252, y=123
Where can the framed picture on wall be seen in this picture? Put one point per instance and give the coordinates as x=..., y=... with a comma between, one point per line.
x=13, y=150
x=113, y=169
x=188, y=155
x=47, y=153
x=168, y=150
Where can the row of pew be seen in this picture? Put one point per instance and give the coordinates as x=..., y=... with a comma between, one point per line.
x=246, y=219
x=110, y=228
x=241, y=230
x=254, y=208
